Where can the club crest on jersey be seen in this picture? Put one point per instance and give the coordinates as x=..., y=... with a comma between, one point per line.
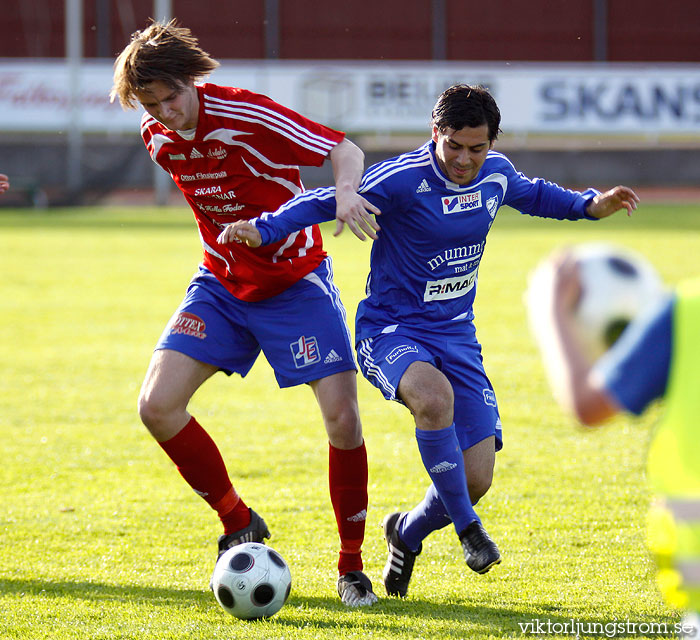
x=492, y=206
x=189, y=324
x=461, y=203
x=305, y=351
x=489, y=398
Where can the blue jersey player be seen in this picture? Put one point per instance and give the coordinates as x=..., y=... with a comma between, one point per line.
x=415, y=336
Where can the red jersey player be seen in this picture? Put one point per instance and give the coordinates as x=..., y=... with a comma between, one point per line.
x=235, y=154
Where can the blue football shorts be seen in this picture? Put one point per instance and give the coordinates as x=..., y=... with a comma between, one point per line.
x=384, y=358
x=302, y=331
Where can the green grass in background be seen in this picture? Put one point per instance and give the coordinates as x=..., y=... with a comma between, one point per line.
x=100, y=538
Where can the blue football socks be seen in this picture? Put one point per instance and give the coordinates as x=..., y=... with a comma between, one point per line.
x=427, y=516
x=442, y=458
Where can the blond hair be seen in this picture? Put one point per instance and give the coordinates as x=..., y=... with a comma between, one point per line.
x=162, y=52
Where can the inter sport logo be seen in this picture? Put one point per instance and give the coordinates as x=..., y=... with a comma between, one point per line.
x=461, y=203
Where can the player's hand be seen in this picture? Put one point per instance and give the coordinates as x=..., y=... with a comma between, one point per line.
x=4, y=183
x=355, y=211
x=605, y=204
x=240, y=231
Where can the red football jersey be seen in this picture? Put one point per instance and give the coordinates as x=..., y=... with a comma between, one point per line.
x=243, y=160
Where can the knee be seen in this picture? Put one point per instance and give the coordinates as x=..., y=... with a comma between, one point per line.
x=343, y=426
x=433, y=408
x=154, y=413
x=148, y=410
x=478, y=486
x=428, y=394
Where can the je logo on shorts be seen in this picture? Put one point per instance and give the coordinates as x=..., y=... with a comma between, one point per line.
x=305, y=351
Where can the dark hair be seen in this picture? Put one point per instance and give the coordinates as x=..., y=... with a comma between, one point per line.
x=464, y=105
x=161, y=52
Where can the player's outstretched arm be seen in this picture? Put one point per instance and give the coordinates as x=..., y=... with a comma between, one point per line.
x=605, y=204
x=240, y=231
x=351, y=208
x=4, y=183
x=569, y=371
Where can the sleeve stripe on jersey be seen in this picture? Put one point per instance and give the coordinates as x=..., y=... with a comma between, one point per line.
x=289, y=129
x=323, y=193
x=418, y=154
x=234, y=106
x=369, y=182
x=146, y=123
x=291, y=239
x=295, y=190
x=298, y=141
x=418, y=158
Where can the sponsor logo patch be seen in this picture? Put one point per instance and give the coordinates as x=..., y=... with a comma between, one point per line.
x=442, y=467
x=423, y=187
x=461, y=203
x=358, y=517
x=332, y=357
x=399, y=351
x=177, y=156
x=448, y=288
x=489, y=398
x=305, y=351
x=189, y=324
x=219, y=153
x=202, y=176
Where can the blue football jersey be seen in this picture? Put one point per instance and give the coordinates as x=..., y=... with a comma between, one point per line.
x=636, y=369
x=424, y=264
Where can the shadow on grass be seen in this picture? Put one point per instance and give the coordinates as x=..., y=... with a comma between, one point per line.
x=389, y=615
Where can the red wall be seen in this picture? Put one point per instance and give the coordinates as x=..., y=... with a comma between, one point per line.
x=513, y=30
x=536, y=30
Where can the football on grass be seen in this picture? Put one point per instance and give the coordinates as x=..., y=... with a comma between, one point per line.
x=251, y=581
x=617, y=285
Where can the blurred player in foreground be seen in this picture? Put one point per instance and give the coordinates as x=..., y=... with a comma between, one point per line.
x=4, y=183
x=656, y=356
x=415, y=335
x=235, y=154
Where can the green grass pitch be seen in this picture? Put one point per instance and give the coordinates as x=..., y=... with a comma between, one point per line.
x=101, y=539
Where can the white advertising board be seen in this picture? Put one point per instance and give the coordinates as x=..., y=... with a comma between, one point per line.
x=384, y=97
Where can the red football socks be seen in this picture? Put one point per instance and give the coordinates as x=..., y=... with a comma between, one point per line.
x=199, y=461
x=347, y=476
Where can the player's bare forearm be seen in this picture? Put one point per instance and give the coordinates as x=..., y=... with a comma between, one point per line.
x=240, y=231
x=575, y=387
x=617, y=198
x=352, y=208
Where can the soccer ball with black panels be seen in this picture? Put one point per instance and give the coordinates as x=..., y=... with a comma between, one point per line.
x=251, y=581
x=617, y=285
